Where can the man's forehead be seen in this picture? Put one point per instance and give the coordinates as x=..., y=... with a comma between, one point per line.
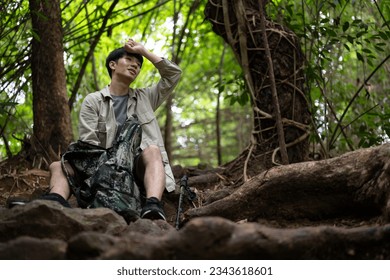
x=131, y=56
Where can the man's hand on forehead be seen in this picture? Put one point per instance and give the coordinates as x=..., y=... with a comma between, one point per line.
x=130, y=42
x=133, y=46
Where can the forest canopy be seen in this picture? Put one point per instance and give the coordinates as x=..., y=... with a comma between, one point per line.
x=347, y=66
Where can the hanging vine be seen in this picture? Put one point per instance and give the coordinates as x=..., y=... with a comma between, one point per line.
x=272, y=63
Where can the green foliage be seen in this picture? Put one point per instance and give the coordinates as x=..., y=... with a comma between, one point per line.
x=346, y=44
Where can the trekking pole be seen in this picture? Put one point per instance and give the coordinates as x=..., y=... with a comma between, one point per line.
x=184, y=191
x=183, y=184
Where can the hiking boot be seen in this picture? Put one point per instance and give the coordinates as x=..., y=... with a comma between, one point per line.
x=14, y=201
x=56, y=197
x=153, y=210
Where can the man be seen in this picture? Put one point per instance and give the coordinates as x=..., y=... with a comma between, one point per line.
x=104, y=112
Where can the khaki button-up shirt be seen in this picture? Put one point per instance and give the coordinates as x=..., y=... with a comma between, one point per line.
x=97, y=123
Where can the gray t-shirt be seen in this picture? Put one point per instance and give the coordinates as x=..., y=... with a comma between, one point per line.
x=120, y=110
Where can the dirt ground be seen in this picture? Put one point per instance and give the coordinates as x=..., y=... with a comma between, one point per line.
x=18, y=179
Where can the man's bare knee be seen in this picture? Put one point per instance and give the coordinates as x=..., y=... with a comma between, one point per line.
x=56, y=167
x=152, y=152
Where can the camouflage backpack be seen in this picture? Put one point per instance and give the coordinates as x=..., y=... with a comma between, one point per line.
x=104, y=177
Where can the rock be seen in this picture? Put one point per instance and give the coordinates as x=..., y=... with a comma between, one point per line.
x=152, y=228
x=45, y=230
x=89, y=245
x=137, y=246
x=48, y=219
x=218, y=238
x=31, y=248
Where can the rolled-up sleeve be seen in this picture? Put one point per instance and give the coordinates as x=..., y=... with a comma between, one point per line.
x=170, y=75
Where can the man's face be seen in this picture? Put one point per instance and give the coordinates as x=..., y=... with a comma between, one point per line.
x=127, y=67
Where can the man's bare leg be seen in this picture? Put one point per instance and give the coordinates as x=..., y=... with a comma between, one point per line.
x=58, y=181
x=150, y=169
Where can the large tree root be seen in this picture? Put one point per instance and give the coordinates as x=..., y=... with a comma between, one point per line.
x=354, y=184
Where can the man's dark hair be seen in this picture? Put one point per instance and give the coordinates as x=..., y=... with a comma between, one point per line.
x=115, y=55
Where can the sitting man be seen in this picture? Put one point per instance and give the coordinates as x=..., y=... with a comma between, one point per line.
x=104, y=112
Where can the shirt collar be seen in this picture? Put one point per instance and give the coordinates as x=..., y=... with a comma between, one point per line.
x=106, y=93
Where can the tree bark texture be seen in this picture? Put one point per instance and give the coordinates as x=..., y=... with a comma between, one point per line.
x=356, y=184
x=239, y=24
x=52, y=123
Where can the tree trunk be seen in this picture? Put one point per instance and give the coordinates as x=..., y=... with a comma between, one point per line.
x=354, y=185
x=168, y=127
x=52, y=131
x=277, y=92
